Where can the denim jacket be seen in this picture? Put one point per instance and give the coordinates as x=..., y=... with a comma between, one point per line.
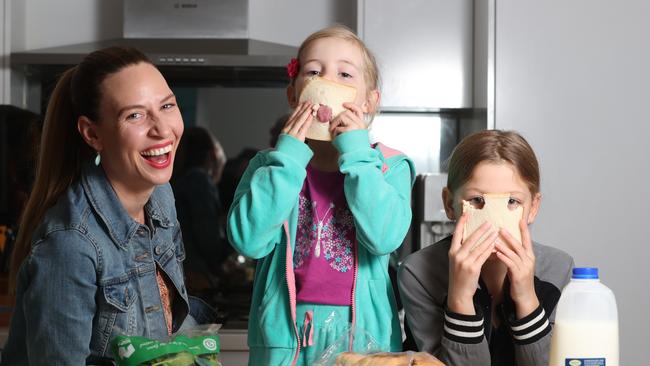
x=91, y=275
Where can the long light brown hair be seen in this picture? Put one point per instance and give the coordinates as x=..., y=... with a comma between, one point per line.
x=493, y=146
x=63, y=151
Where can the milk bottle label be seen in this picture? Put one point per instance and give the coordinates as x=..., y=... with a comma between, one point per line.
x=585, y=362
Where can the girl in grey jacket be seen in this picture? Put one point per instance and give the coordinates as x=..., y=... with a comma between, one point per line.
x=488, y=299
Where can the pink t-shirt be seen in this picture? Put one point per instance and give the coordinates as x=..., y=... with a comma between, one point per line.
x=324, y=268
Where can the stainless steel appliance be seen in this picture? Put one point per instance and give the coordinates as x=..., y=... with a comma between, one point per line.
x=185, y=19
x=430, y=223
x=193, y=41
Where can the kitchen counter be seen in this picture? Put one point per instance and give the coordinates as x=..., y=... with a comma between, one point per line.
x=234, y=349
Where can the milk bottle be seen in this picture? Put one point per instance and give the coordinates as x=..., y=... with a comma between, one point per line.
x=586, y=323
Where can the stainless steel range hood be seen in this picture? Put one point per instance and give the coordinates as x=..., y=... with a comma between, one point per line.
x=180, y=52
x=190, y=40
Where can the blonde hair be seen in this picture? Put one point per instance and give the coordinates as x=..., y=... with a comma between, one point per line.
x=370, y=69
x=63, y=151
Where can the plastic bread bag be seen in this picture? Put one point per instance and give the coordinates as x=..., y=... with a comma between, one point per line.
x=362, y=342
x=408, y=358
x=198, y=346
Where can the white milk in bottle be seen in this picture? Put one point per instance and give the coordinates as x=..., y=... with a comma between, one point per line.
x=586, y=323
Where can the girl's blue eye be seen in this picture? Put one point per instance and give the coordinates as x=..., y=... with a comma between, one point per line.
x=313, y=72
x=345, y=75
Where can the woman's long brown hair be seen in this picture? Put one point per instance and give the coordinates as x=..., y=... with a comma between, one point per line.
x=63, y=151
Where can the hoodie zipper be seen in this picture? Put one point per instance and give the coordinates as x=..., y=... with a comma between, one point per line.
x=354, y=290
x=291, y=285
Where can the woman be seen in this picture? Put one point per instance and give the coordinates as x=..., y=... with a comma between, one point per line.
x=100, y=250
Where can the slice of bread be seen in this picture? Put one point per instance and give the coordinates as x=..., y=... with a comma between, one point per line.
x=387, y=359
x=495, y=211
x=328, y=93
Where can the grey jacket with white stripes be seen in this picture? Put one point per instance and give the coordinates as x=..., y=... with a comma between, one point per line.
x=457, y=339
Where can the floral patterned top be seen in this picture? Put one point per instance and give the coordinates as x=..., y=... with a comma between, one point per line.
x=166, y=298
x=325, y=241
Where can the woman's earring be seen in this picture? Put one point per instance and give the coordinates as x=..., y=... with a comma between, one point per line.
x=98, y=159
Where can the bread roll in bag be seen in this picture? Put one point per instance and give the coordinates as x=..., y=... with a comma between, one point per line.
x=326, y=93
x=387, y=359
x=495, y=211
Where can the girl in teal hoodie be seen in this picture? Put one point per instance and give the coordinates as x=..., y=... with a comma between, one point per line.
x=322, y=217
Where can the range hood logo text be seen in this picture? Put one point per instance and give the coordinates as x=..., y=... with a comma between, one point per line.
x=185, y=5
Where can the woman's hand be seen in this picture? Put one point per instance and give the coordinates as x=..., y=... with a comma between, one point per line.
x=465, y=262
x=299, y=121
x=348, y=120
x=520, y=260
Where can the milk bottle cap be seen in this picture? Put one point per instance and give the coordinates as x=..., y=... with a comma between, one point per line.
x=585, y=273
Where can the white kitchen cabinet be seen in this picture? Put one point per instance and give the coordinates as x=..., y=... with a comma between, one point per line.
x=424, y=49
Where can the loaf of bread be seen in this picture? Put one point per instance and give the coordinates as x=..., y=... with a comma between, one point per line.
x=496, y=212
x=328, y=98
x=348, y=359
x=387, y=359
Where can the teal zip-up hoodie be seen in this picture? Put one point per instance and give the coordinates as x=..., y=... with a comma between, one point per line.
x=262, y=223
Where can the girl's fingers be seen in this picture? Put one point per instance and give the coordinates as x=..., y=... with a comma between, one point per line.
x=355, y=109
x=516, y=247
x=472, y=239
x=512, y=257
x=488, y=241
x=301, y=108
x=457, y=237
x=296, y=110
x=336, y=123
x=300, y=120
x=511, y=241
x=347, y=121
x=342, y=121
x=292, y=119
x=485, y=254
x=302, y=130
x=526, y=241
x=507, y=261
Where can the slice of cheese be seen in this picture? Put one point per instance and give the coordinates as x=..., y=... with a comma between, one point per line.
x=495, y=211
x=322, y=91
